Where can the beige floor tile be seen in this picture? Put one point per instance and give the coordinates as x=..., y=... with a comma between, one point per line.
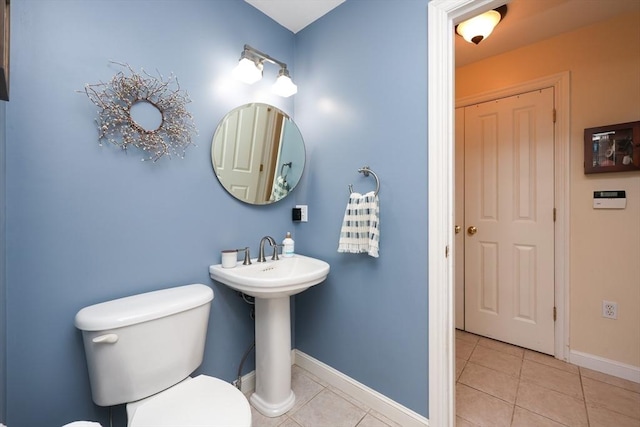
x=496, y=360
x=352, y=400
x=551, y=404
x=288, y=423
x=602, y=417
x=552, y=378
x=466, y=336
x=463, y=349
x=550, y=361
x=383, y=418
x=304, y=388
x=328, y=409
x=482, y=409
x=371, y=421
x=610, y=379
x=461, y=422
x=259, y=420
x=495, y=383
x=296, y=370
x=524, y=418
x=501, y=346
x=611, y=397
x=460, y=364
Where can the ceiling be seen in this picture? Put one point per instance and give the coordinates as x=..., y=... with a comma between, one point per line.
x=526, y=21
x=530, y=21
x=295, y=14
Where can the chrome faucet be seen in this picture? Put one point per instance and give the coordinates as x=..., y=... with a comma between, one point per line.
x=273, y=244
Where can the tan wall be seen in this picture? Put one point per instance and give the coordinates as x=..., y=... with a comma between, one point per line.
x=604, y=62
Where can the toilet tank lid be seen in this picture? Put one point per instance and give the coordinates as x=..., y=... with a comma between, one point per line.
x=140, y=308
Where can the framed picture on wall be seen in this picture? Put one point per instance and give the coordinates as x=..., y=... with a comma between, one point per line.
x=612, y=148
x=4, y=49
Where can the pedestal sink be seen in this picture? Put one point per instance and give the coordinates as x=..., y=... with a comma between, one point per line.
x=272, y=283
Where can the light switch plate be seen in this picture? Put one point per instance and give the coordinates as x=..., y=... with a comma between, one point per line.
x=304, y=209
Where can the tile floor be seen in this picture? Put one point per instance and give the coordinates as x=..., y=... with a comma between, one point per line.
x=321, y=405
x=497, y=384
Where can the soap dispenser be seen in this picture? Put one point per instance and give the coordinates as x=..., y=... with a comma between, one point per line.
x=288, y=246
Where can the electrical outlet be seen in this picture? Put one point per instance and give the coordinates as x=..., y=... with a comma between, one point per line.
x=609, y=309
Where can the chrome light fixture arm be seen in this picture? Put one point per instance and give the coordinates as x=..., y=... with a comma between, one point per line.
x=258, y=56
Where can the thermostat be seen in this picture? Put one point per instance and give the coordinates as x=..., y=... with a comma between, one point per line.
x=609, y=199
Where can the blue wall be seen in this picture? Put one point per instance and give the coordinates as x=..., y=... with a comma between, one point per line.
x=86, y=223
x=362, y=73
x=3, y=268
x=89, y=223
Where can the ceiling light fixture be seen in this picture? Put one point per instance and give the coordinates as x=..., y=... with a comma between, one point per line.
x=479, y=27
x=251, y=64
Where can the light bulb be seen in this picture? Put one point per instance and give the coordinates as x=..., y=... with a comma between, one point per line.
x=248, y=71
x=478, y=28
x=284, y=86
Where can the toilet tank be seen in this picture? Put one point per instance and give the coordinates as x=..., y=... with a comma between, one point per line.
x=140, y=345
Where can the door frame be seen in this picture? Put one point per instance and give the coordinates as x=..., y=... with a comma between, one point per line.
x=561, y=101
x=441, y=17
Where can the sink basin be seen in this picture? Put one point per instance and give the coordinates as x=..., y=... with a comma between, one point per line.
x=273, y=279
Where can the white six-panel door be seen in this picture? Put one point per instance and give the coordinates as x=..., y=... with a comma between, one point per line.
x=509, y=220
x=458, y=243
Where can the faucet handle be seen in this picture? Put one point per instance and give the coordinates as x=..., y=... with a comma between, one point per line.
x=274, y=257
x=247, y=256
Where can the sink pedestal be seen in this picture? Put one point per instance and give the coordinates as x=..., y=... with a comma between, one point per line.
x=272, y=283
x=273, y=396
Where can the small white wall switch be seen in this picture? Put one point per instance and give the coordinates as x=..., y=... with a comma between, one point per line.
x=304, y=213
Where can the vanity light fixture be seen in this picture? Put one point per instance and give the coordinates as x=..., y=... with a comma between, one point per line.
x=251, y=64
x=479, y=27
x=249, y=69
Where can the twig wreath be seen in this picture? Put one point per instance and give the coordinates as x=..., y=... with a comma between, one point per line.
x=115, y=100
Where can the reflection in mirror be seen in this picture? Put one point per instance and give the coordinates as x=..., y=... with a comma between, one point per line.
x=258, y=153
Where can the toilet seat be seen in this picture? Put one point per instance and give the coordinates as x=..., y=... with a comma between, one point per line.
x=200, y=401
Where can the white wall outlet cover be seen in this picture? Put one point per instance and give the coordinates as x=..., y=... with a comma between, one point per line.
x=304, y=209
x=609, y=309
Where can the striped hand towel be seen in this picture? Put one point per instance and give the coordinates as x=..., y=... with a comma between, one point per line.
x=360, y=231
x=280, y=189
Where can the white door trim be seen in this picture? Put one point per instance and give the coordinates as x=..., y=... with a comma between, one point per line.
x=560, y=82
x=442, y=14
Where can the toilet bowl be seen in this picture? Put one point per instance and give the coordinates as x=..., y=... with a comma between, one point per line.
x=195, y=401
x=140, y=352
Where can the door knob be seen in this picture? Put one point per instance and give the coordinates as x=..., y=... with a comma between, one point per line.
x=457, y=229
x=472, y=230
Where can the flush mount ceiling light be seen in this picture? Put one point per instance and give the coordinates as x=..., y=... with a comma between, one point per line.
x=251, y=64
x=478, y=28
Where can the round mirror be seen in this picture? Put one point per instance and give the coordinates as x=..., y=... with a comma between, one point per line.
x=258, y=153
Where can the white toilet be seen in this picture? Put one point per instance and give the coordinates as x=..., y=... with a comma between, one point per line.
x=141, y=350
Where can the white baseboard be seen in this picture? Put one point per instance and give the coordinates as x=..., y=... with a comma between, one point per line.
x=607, y=366
x=376, y=401
x=248, y=382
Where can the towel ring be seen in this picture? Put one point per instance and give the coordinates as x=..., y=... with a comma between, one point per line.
x=366, y=171
x=282, y=167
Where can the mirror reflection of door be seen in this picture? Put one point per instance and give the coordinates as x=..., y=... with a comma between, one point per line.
x=508, y=227
x=238, y=151
x=258, y=153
